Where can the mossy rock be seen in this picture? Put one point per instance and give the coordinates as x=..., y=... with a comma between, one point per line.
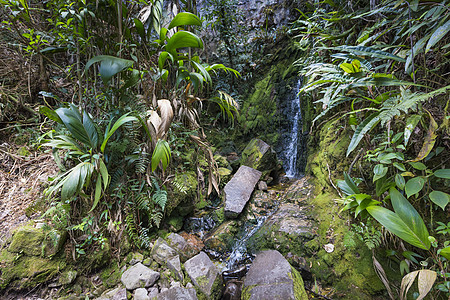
x=175, y=223
x=23, y=272
x=33, y=241
x=181, y=199
x=222, y=237
x=349, y=270
x=259, y=156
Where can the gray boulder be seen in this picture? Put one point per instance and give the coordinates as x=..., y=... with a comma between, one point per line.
x=184, y=249
x=162, y=252
x=178, y=293
x=141, y=294
x=139, y=276
x=272, y=277
x=239, y=189
x=204, y=274
x=260, y=156
x=174, y=265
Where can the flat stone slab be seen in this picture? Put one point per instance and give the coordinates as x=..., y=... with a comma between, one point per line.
x=139, y=276
x=178, y=293
x=204, y=275
x=272, y=277
x=239, y=189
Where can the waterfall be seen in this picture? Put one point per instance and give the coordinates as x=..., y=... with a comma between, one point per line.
x=292, y=140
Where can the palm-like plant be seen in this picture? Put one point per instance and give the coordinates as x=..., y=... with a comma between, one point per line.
x=85, y=146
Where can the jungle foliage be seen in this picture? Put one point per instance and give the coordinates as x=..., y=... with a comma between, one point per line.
x=122, y=89
x=383, y=71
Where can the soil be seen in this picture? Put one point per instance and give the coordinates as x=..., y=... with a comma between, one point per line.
x=23, y=176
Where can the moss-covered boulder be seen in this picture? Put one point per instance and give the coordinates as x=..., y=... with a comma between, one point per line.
x=181, y=200
x=33, y=241
x=260, y=156
x=18, y=271
x=272, y=277
x=205, y=276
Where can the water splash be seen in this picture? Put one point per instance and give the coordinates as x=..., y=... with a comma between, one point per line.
x=290, y=152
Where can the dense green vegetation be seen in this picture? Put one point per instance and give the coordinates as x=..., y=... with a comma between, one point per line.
x=381, y=72
x=123, y=92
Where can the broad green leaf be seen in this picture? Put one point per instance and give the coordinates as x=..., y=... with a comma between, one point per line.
x=104, y=173
x=91, y=130
x=98, y=192
x=442, y=173
x=162, y=59
x=351, y=183
x=418, y=166
x=183, y=39
x=161, y=154
x=411, y=123
x=382, y=185
x=140, y=28
x=399, y=166
x=414, y=185
x=73, y=122
x=393, y=223
x=50, y=113
x=400, y=181
x=109, y=65
x=183, y=19
x=409, y=216
x=439, y=198
x=379, y=171
x=131, y=80
x=365, y=126
x=445, y=252
x=202, y=71
x=438, y=34
x=108, y=133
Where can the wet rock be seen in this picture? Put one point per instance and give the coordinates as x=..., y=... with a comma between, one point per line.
x=221, y=239
x=178, y=293
x=260, y=156
x=239, y=189
x=185, y=249
x=162, y=252
x=139, y=276
x=232, y=290
x=204, y=274
x=193, y=241
x=235, y=274
x=272, y=277
x=287, y=230
x=262, y=186
x=174, y=265
x=141, y=294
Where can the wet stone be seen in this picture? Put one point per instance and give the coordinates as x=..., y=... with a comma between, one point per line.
x=139, y=276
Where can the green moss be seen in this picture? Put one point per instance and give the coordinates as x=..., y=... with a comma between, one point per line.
x=180, y=200
x=27, y=240
x=299, y=287
x=175, y=223
x=348, y=269
x=21, y=272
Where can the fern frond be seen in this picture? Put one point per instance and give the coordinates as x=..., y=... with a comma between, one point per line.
x=160, y=198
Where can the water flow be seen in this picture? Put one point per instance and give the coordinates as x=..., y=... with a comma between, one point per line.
x=239, y=250
x=291, y=149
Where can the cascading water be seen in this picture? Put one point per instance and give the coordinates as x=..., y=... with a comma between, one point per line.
x=291, y=143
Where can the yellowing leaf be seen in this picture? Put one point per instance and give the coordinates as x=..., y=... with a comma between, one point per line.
x=429, y=141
